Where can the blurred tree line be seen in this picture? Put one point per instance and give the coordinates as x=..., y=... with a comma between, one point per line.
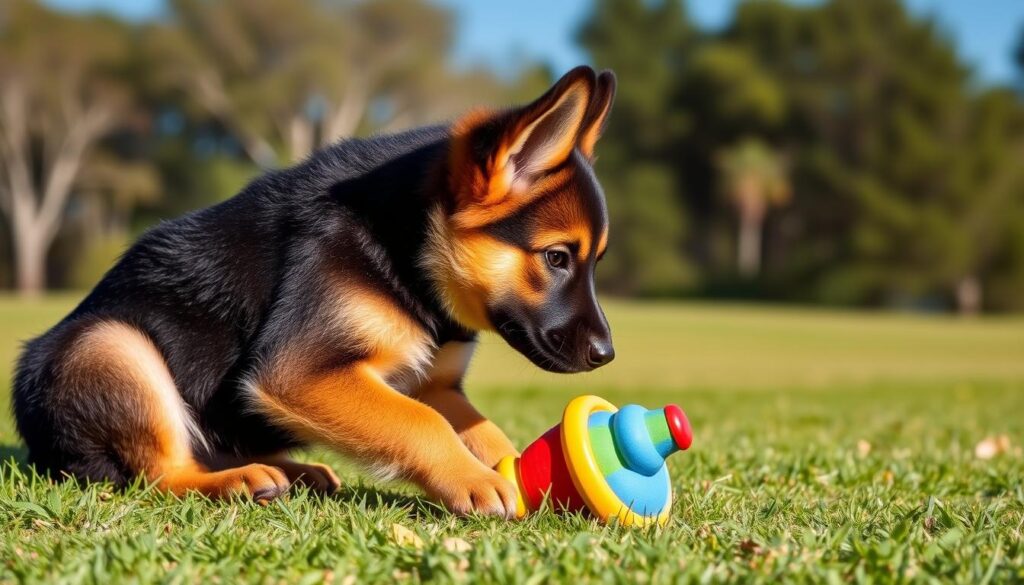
x=834, y=153
x=837, y=153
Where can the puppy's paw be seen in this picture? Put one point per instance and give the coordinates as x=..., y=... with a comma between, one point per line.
x=260, y=482
x=488, y=443
x=478, y=490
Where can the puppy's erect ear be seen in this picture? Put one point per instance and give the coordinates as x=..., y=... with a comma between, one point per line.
x=494, y=157
x=546, y=131
x=597, y=115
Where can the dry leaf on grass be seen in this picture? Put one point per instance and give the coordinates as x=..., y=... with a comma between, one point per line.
x=863, y=448
x=455, y=544
x=751, y=547
x=989, y=447
x=405, y=537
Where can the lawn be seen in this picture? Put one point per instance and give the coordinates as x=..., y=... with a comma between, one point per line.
x=828, y=446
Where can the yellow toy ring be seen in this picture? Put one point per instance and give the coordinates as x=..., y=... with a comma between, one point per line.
x=508, y=469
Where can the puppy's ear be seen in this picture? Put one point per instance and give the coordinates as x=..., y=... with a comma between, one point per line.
x=495, y=157
x=597, y=115
x=545, y=132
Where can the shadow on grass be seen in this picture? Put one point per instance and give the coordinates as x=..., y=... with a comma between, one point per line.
x=14, y=461
x=369, y=497
x=372, y=497
x=17, y=453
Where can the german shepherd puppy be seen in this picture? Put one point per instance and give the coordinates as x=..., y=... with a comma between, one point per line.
x=337, y=302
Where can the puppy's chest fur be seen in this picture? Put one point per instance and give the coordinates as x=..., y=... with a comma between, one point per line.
x=444, y=367
x=394, y=344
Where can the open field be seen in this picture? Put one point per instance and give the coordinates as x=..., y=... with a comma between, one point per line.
x=829, y=447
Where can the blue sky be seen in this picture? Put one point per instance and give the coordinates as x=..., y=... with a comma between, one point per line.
x=502, y=33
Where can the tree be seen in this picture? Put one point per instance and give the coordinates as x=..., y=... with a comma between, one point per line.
x=974, y=227
x=287, y=76
x=754, y=178
x=1018, y=57
x=878, y=118
x=642, y=42
x=114, y=189
x=60, y=94
x=730, y=100
x=900, y=177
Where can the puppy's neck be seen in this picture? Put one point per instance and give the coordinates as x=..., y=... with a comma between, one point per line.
x=398, y=203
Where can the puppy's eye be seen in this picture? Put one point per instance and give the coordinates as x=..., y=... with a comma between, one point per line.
x=557, y=258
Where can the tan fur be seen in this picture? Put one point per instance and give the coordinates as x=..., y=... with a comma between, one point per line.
x=262, y=482
x=138, y=376
x=396, y=344
x=472, y=270
x=468, y=181
x=482, y=437
x=575, y=234
x=475, y=216
x=450, y=363
x=157, y=436
x=592, y=132
x=315, y=476
x=442, y=393
x=504, y=183
x=602, y=242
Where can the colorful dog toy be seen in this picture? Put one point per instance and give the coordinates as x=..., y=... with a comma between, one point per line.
x=603, y=459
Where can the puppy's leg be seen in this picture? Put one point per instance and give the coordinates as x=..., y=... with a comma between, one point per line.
x=260, y=482
x=442, y=392
x=483, y=438
x=116, y=396
x=354, y=410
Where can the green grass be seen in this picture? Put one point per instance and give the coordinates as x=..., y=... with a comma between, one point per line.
x=779, y=485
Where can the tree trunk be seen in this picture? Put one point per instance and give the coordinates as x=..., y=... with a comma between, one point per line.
x=300, y=138
x=212, y=95
x=968, y=296
x=343, y=120
x=30, y=264
x=749, y=246
x=36, y=210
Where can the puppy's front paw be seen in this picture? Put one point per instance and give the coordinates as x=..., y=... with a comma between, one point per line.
x=478, y=490
x=488, y=443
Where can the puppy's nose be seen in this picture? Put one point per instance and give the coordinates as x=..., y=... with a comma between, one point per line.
x=601, y=351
